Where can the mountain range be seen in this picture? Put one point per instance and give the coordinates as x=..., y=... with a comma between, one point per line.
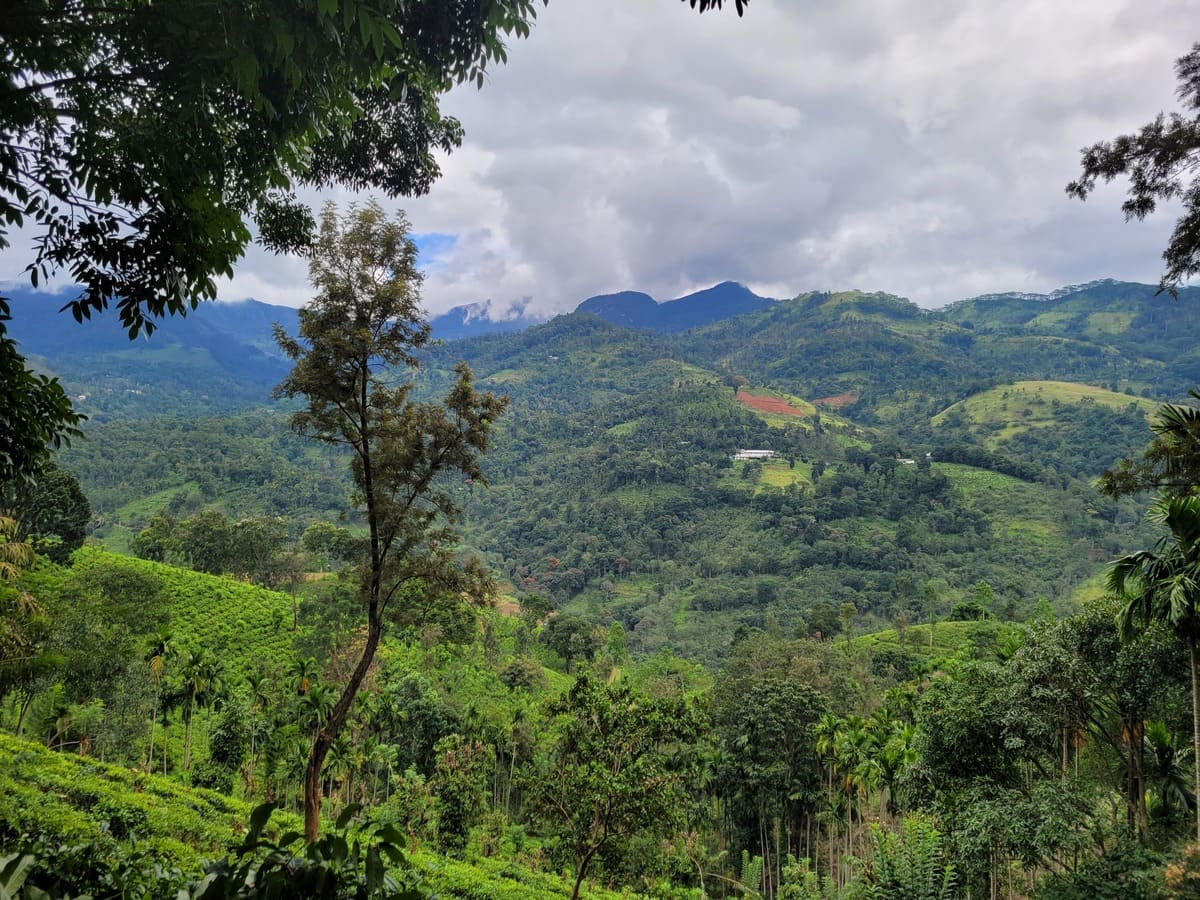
x=899, y=447
x=222, y=355
x=630, y=309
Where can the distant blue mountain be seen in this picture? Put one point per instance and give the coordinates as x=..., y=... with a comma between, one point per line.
x=237, y=336
x=222, y=356
x=629, y=309
x=633, y=309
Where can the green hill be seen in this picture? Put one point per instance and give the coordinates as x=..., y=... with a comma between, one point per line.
x=70, y=801
x=247, y=626
x=1008, y=410
x=614, y=493
x=1075, y=429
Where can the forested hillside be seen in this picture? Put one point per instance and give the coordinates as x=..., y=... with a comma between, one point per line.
x=920, y=476
x=880, y=641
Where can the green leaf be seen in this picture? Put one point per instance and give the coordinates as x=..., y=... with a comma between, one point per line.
x=347, y=815
x=374, y=870
x=258, y=821
x=14, y=869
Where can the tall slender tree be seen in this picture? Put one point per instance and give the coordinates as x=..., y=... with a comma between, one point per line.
x=1163, y=586
x=162, y=647
x=203, y=683
x=357, y=347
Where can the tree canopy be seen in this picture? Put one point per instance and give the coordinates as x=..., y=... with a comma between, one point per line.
x=1162, y=161
x=140, y=140
x=51, y=511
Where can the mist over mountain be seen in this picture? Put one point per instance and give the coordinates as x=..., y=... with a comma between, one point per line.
x=629, y=309
x=475, y=319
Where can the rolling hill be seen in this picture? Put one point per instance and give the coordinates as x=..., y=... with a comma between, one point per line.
x=960, y=445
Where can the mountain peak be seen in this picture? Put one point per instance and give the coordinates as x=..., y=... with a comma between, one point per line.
x=634, y=309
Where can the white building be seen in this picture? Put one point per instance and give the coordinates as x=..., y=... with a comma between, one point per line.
x=754, y=454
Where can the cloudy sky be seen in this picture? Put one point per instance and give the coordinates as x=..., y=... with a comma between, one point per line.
x=918, y=147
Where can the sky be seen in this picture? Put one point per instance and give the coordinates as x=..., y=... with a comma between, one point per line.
x=917, y=147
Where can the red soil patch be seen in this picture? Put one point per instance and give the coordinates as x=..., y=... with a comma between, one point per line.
x=839, y=401
x=776, y=405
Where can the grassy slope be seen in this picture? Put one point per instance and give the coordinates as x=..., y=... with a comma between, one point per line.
x=949, y=639
x=1030, y=404
x=1019, y=509
x=243, y=623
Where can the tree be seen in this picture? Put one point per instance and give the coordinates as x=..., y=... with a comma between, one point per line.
x=15, y=554
x=365, y=317
x=329, y=543
x=36, y=416
x=1127, y=682
x=1172, y=461
x=158, y=540
x=162, y=647
x=460, y=782
x=1163, y=585
x=1166, y=774
x=1162, y=161
x=612, y=770
x=570, y=637
x=206, y=539
x=50, y=510
x=769, y=733
x=202, y=683
x=257, y=548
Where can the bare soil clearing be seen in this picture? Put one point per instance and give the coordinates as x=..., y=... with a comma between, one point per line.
x=776, y=405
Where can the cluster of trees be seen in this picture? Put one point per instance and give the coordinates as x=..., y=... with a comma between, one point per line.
x=50, y=512
x=820, y=764
x=250, y=464
x=796, y=765
x=259, y=549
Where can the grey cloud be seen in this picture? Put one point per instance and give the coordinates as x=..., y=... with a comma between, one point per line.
x=915, y=146
x=923, y=149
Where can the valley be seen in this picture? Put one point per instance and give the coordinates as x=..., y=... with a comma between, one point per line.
x=908, y=565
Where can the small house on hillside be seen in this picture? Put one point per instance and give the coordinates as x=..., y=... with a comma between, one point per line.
x=754, y=454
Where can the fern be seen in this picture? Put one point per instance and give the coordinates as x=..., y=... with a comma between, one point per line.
x=752, y=871
x=910, y=864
